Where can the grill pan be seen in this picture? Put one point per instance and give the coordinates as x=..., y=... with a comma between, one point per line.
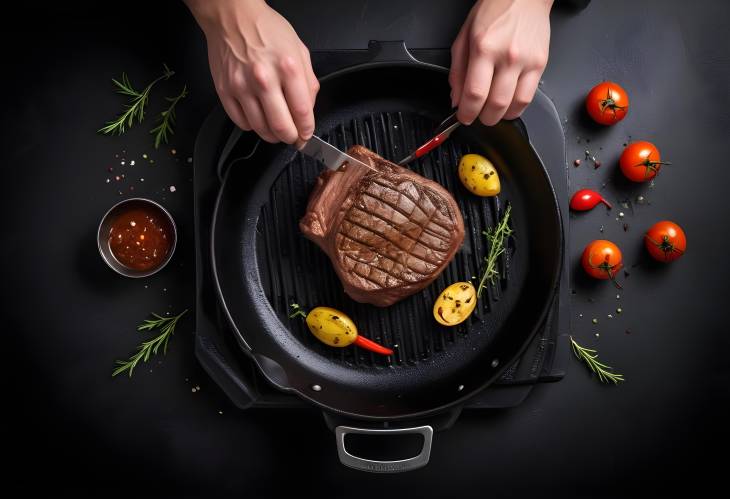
x=262, y=263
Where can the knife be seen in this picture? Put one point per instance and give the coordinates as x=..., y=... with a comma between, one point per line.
x=328, y=154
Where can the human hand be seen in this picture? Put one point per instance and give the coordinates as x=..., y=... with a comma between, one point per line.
x=261, y=69
x=498, y=58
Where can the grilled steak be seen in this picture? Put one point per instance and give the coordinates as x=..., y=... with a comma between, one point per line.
x=388, y=231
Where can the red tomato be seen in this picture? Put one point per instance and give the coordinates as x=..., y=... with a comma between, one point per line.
x=640, y=161
x=602, y=260
x=665, y=241
x=607, y=103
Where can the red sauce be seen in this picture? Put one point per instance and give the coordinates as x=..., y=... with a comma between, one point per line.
x=140, y=238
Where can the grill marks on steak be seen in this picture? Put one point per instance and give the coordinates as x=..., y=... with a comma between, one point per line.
x=388, y=231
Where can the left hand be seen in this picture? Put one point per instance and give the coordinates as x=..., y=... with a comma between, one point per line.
x=498, y=58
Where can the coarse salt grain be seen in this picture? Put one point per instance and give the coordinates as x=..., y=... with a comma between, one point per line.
x=172, y=188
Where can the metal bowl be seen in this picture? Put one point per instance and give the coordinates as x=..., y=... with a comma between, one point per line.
x=105, y=226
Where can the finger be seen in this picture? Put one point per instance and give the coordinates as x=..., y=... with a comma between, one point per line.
x=235, y=112
x=457, y=73
x=312, y=80
x=525, y=91
x=476, y=87
x=278, y=117
x=256, y=119
x=298, y=99
x=500, y=95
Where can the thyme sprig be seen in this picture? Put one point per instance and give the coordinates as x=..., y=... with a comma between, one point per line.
x=135, y=109
x=297, y=310
x=166, y=119
x=496, y=237
x=150, y=347
x=590, y=357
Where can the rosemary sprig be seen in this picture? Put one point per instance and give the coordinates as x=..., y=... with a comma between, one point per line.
x=150, y=347
x=166, y=119
x=136, y=106
x=297, y=310
x=496, y=238
x=590, y=357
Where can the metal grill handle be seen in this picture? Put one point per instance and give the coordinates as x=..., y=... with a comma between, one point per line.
x=375, y=466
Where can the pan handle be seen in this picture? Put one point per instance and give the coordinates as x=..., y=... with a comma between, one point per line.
x=362, y=464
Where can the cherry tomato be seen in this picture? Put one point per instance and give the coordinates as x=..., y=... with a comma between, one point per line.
x=586, y=199
x=607, y=103
x=602, y=260
x=640, y=161
x=665, y=241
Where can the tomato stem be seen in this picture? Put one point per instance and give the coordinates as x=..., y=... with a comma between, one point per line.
x=666, y=246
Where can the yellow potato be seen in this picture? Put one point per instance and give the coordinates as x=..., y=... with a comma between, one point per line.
x=455, y=304
x=478, y=175
x=331, y=326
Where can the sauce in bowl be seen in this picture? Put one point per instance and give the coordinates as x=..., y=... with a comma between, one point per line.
x=141, y=237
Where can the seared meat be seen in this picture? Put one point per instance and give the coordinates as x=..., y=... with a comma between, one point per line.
x=388, y=231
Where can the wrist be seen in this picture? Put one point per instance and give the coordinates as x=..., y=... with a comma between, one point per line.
x=210, y=13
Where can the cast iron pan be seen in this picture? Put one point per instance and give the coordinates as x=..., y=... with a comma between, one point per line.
x=262, y=263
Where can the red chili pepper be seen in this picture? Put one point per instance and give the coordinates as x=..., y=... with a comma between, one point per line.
x=586, y=199
x=367, y=344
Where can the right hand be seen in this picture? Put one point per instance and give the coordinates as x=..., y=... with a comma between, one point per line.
x=261, y=69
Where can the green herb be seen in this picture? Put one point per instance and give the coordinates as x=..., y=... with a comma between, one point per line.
x=590, y=357
x=166, y=119
x=151, y=347
x=296, y=311
x=496, y=239
x=136, y=106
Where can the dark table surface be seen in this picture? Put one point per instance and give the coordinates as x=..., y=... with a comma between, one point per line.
x=67, y=318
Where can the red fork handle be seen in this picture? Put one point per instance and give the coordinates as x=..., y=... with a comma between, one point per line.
x=431, y=144
x=367, y=344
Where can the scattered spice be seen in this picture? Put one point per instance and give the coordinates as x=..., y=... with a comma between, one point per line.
x=576, y=162
x=619, y=310
x=595, y=321
x=626, y=227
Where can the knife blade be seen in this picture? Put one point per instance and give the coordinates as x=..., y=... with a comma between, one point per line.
x=328, y=154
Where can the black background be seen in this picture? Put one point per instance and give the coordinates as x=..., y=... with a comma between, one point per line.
x=66, y=317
